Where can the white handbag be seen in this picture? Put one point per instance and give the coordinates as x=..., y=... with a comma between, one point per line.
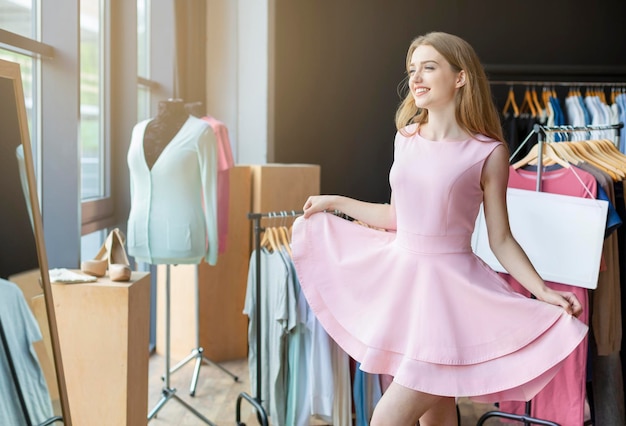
x=561, y=234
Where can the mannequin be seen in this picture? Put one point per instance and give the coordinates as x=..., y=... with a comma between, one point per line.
x=173, y=217
x=162, y=128
x=173, y=174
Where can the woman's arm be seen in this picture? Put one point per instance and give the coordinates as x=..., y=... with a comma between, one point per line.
x=373, y=214
x=503, y=245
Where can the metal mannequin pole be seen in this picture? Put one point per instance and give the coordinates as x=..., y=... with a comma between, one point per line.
x=198, y=352
x=168, y=392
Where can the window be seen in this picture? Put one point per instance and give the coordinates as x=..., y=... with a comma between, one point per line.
x=97, y=205
x=91, y=105
x=19, y=18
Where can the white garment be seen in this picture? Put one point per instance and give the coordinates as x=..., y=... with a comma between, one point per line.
x=21, y=330
x=174, y=205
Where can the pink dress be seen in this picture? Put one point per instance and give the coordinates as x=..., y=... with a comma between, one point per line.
x=416, y=303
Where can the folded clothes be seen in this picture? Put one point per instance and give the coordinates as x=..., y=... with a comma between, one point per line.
x=63, y=275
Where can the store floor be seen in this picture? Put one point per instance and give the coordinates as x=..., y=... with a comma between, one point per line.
x=216, y=396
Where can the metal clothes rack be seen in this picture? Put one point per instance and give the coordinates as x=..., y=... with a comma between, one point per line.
x=559, y=70
x=541, y=132
x=256, y=399
x=16, y=382
x=556, y=83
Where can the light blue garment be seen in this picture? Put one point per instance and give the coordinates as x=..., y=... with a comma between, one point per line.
x=21, y=330
x=298, y=386
x=173, y=215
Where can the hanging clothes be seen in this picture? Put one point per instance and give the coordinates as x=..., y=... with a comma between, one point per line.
x=278, y=318
x=606, y=312
x=304, y=373
x=606, y=319
x=563, y=399
x=21, y=331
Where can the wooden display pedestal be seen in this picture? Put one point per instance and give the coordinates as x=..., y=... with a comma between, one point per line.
x=223, y=328
x=104, y=330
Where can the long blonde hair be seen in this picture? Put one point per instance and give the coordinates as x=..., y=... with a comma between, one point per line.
x=475, y=109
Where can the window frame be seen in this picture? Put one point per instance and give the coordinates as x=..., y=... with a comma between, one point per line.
x=98, y=213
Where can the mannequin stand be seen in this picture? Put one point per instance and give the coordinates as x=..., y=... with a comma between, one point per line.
x=198, y=352
x=168, y=392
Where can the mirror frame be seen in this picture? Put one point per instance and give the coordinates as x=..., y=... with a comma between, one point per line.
x=11, y=71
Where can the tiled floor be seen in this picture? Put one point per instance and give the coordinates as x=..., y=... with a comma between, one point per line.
x=217, y=393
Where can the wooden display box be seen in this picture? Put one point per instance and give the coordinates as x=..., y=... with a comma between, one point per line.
x=104, y=332
x=277, y=187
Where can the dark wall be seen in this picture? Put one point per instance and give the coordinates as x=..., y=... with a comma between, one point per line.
x=337, y=67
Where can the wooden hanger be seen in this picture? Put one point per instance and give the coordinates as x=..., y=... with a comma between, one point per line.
x=527, y=104
x=285, y=238
x=549, y=157
x=583, y=150
x=536, y=102
x=268, y=241
x=510, y=102
x=563, y=149
x=545, y=96
x=598, y=150
x=610, y=148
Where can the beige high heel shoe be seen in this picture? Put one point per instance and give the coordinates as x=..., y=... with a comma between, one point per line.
x=119, y=266
x=98, y=265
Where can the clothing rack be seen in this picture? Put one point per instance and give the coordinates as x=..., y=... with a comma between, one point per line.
x=18, y=388
x=541, y=131
x=556, y=70
x=555, y=83
x=256, y=400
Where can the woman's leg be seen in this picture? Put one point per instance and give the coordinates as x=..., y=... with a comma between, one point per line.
x=443, y=413
x=401, y=406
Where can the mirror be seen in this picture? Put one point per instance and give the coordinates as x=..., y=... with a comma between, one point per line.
x=23, y=262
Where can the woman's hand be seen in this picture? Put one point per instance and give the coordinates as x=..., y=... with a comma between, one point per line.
x=317, y=203
x=565, y=299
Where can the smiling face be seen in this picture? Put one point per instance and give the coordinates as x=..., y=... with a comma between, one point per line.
x=432, y=81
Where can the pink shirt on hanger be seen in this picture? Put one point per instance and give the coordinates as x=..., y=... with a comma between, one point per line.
x=224, y=163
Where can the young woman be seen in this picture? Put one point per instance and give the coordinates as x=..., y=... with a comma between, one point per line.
x=415, y=302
